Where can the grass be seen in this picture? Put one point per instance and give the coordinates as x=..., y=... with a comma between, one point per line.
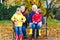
x=49, y=21
x=52, y=22
x=5, y=21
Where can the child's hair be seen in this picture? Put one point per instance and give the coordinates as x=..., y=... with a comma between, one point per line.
x=39, y=10
x=17, y=9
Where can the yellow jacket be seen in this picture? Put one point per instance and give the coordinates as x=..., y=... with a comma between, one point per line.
x=19, y=18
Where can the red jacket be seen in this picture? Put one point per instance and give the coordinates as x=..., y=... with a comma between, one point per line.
x=37, y=17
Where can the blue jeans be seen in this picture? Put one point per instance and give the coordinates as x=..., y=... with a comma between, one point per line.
x=18, y=30
x=35, y=26
x=24, y=31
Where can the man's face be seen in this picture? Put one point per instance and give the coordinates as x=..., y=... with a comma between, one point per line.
x=34, y=9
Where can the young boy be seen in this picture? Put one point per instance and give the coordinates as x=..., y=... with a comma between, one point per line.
x=36, y=18
x=18, y=20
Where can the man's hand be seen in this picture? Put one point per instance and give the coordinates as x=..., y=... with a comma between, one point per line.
x=30, y=24
x=35, y=22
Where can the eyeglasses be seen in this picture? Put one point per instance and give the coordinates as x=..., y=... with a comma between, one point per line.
x=17, y=10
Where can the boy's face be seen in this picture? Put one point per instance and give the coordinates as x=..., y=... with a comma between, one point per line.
x=37, y=12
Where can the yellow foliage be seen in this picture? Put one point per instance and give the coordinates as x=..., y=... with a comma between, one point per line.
x=18, y=2
x=43, y=11
x=28, y=4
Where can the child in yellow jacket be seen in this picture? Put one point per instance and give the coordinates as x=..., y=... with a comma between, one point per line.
x=18, y=20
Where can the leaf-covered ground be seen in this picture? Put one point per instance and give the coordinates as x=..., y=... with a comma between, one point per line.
x=53, y=31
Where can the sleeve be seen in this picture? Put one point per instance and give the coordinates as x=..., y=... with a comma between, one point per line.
x=33, y=18
x=29, y=17
x=23, y=18
x=40, y=18
x=13, y=17
x=26, y=15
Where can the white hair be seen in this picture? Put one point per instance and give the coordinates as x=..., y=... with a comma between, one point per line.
x=34, y=6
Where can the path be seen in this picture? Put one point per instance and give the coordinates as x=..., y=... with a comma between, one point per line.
x=6, y=33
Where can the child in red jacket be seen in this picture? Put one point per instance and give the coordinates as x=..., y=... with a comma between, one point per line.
x=37, y=17
x=37, y=22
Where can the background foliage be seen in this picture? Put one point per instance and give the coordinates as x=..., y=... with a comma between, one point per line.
x=8, y=7
x=5, y=13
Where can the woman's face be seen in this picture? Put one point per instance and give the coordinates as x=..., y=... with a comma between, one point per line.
x=22, y=9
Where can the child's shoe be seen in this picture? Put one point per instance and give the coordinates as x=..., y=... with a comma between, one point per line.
x=20, y=37
x=16, y=37
x=39, y=32
x=30, y=31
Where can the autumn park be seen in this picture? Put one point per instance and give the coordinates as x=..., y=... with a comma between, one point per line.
x=50, y=11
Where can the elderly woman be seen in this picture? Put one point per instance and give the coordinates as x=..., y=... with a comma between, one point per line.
x=24, y=24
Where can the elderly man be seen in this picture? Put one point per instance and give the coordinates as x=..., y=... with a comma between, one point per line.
x=34, y=9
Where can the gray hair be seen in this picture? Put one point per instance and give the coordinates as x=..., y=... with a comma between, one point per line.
x=34, y=6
